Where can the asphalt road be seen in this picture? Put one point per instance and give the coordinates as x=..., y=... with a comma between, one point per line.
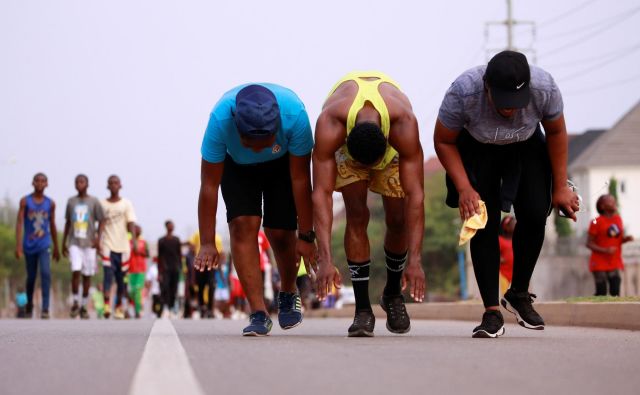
x=437, y=357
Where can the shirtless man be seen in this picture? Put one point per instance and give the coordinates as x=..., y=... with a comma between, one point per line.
x=367, y=139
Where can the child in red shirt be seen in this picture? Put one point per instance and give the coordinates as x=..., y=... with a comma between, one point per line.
x=507, y=226
x=606, y=236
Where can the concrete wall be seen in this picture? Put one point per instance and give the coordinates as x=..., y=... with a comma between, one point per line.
x=557, y=277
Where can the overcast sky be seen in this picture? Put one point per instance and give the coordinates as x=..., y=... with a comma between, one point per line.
x=126, y=87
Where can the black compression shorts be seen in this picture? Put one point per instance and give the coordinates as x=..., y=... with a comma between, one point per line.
x=245, y=186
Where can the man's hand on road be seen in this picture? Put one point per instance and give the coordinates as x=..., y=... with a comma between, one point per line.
x=327, y=276
x=207, y=258
x=413, y=276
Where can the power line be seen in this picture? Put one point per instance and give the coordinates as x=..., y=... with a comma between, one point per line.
x=566, y=13
x=590, y=26
x=599, y=65
x=592, y=58
x=595, y=33
x=611, y=84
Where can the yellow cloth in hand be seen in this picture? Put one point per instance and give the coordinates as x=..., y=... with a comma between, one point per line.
x=471, y=225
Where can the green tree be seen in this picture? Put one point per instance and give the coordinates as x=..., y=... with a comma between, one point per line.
x=439, y=251
x=613, y=187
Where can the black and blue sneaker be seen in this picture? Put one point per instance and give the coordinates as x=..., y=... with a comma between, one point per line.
x=289, y=310
x=259, y=325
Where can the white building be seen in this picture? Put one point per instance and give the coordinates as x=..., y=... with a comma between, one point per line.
x=614, y=154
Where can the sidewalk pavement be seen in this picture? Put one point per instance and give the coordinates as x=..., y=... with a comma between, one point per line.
x=618, y=315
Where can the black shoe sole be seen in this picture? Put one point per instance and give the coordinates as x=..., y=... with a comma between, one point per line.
x=482, y=334
x=254, y=334
x=396, y=331
x=291, y=326
x=360, y=333
x=505, y=303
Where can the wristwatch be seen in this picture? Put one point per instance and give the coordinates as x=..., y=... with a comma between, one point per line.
x=309, y=236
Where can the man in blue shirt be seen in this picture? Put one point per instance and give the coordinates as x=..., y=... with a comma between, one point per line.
x=258, y=146
x=37, y=218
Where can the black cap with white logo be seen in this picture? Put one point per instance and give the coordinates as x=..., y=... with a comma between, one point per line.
x=508, y=76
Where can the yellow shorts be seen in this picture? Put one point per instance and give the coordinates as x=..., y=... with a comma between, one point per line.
x=386, y=182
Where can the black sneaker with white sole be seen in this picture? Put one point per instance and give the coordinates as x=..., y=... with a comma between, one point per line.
x=520, y=304
x=492, y=325
x=363, y=324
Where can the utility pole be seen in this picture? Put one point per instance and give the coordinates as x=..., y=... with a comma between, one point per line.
x=510, y=23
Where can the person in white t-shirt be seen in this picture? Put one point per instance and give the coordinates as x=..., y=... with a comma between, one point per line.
x=119, y=219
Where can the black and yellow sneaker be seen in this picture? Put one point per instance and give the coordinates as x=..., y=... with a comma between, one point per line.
x=397, y=318
x=84, y=314
x=520, y=304
x=363, y=324
x=492, y=325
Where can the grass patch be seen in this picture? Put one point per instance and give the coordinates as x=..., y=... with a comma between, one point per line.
x=603, y=299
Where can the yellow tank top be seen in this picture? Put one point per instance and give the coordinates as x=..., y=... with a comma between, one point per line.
x=368, y=92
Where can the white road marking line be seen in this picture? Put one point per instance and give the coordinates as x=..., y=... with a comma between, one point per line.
x=164, y=367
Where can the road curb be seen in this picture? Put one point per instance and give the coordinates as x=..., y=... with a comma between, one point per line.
x=617, y=315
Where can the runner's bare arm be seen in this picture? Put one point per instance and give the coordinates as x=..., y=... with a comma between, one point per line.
x=327, y=142
x=444, y=141
x=557, y=145
x=300, y=170
x=210, y=178
x=406, y=140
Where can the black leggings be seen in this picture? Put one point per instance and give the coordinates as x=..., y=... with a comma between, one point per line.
x=602, y=278
x=205, y=281
x=532, y=205
x=170, y=287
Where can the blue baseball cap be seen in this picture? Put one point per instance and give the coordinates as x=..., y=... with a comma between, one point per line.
x=257, y=112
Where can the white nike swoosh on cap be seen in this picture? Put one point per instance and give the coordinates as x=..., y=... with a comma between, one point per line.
x=519, y=86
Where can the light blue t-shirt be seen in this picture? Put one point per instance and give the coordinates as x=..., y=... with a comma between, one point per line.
x=222, y=137
x=466, y=105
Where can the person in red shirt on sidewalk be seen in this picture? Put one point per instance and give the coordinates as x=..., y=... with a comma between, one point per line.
x=507, y=226
x=606, y=236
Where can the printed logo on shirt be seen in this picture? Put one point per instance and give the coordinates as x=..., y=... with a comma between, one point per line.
x=276, y=149
x=80, y=221
x=38, y=217
x=505, y=134
x=613, y=231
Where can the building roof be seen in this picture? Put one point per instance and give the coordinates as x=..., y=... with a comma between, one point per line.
x=618, y=146
x=580, y=142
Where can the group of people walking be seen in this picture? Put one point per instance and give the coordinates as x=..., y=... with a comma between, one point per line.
x=92, y=228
